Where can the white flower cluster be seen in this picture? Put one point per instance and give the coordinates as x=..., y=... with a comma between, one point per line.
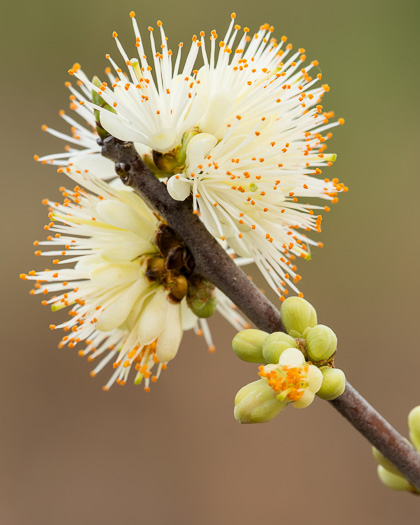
x=105, y=234
x=253, y=130
x=247, y=134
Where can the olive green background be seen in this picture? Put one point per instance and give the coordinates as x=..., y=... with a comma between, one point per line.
x=71, y=453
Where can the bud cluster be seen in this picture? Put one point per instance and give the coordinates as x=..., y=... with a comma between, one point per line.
x=295, y=365
x=387, y=473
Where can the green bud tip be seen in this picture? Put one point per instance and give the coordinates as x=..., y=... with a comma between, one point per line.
x=297, y=315
x=274, y=345
x=333, y=383
x=321, y=343
x=96, y=81
x=248, y=344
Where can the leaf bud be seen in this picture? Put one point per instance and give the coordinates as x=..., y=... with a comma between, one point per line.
x=297, y=315
x=333, y=383
x=248, y=344
x=257, y=403
x=414, y=426
x=321, y=343
x=274, y=345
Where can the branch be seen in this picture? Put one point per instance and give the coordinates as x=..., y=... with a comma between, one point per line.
x=214, y=264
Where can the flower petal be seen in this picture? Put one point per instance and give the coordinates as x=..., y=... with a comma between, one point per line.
x=292, y=357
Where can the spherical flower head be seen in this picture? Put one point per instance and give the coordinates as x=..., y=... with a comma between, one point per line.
x=293, y=380
x=120, y=306
x=259, y=151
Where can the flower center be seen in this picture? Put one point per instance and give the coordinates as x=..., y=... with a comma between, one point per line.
x=287, y=381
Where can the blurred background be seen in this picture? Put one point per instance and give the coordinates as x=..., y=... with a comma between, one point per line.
x=71, y=453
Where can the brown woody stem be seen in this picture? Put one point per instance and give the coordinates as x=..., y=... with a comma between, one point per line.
x=214, y=264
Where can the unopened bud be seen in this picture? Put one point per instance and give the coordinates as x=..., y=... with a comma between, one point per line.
x=297, y=315
x=321, y=343
x=333, y=383
x=257, y=403
x=201, y=297
x=414, y=426
x=248, y=344
x=393, y=481
x=274, y=345
x=203, y=309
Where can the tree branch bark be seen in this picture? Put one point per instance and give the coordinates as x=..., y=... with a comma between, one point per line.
x=214, y=264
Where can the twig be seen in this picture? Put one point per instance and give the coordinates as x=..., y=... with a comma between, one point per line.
x=214, y=264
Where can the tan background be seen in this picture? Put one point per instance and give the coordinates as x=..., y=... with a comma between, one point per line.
x=73, y=454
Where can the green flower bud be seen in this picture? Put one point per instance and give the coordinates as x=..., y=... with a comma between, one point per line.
x=393, y=481
x=204, y=310
x=381, y=460
x=333, y=383
x=414, y=426
x=201, y=297
x=321, y=343
x=257, y=403
x=274, y=345
x=297, y=315
x=248, y=344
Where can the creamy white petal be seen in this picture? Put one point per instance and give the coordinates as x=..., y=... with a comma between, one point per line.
x=199, y=147
x=305, y=400
x=116, y=313
x=291, y=357
x=314, y=378
x=170, y=339
x=108, y=275
x=178, y=189
x=152, y=319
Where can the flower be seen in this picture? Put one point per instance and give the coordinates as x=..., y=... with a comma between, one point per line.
x=123, y=304
x=245, y=135
x=152, y=110
x=292, y=380
x=261, y=146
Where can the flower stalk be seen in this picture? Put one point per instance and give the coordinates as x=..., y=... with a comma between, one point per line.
x=212, y=262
